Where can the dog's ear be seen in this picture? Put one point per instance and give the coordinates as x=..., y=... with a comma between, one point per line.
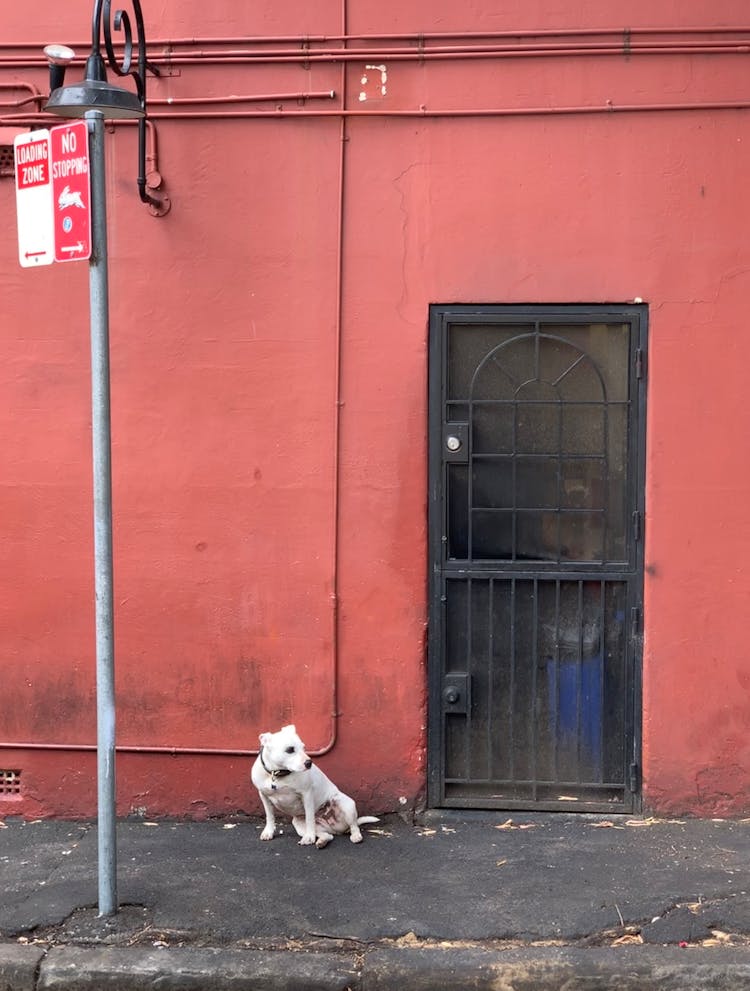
x=264, y=738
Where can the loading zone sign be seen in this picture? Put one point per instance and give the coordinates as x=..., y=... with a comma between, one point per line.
x=36, y=233
x=53, y=195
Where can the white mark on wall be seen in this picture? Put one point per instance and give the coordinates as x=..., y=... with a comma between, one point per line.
x=365, y=80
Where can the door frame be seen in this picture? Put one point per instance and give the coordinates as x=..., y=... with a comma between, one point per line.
x=440, y=317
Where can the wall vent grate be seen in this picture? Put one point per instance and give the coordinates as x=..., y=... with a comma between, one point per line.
x=10, y=783
x=7, y=161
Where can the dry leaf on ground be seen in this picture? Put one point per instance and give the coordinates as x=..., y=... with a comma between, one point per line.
x=629, y=939
x=652, y=821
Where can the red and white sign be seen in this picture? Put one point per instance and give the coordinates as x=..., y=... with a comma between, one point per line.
x=34, y=198
x=71, y=191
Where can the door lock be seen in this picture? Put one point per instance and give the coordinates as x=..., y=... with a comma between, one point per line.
x=456, y=693
x=456, y=442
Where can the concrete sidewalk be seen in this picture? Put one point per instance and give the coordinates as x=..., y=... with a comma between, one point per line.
x=453, y=901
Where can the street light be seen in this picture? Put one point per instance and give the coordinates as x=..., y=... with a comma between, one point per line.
x=95, y=93
x=96, y=100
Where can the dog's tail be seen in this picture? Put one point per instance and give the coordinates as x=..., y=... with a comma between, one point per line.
x=365, y=819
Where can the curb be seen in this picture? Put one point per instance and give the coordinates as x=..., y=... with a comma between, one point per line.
x=184, y=969
x=19, y=966
x=633, y=968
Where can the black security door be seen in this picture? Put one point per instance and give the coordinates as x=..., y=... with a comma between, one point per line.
x=536, y=518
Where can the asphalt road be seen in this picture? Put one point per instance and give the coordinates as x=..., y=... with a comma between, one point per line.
x=578, y=880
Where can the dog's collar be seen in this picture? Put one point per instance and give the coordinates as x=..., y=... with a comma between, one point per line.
x=281, y=773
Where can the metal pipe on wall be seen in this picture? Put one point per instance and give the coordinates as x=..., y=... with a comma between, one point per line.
x=35, y=97
x=625, y=47
x=427, y=36
x=421, y=112
x=337, y=401
x=424, y=112
x=622, y=47
x=173, y=101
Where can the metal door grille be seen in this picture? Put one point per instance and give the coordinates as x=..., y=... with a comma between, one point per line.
x=546, y=665
x=536, y=515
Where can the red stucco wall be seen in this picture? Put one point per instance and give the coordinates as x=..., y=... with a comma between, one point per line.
x=269, y=394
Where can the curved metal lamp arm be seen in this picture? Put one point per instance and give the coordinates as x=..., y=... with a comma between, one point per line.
x=121, y=22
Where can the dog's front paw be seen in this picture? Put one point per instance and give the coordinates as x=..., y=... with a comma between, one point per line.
x=268, y=833
x=307, y=840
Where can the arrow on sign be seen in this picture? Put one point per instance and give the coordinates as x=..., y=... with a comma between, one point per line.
x=73, y=248
x=34, y=254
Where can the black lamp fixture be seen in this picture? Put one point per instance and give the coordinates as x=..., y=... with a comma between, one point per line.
x=95, y=92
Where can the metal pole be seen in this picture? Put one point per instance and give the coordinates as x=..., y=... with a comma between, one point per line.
x=102, y=459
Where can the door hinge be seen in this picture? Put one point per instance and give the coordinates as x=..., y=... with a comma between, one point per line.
x=633, y=778
x=639, y=363
x=636, y=526
x=635, y=621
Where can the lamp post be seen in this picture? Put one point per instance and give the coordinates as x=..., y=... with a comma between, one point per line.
x=96, y=100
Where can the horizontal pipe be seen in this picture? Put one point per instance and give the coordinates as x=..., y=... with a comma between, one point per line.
x=428, y=36
x=29, y=87
x=420, y=37
x=623, y=45
x=335, y=56
x=428, y=55
x=255, y=98
x=608, y=108
x=166, y=751
x=35, y=97
x=478, y=112
x=22, y=103
x=619, y=46
x=338, y=55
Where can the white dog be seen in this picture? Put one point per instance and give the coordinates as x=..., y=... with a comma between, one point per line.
x=288, y=780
